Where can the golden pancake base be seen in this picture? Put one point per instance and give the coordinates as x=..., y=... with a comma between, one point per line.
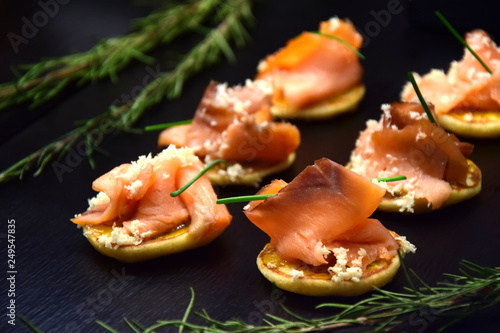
x=250, y=175
x=345, y=102
x=458, y=193
x=176, y=241
x=472, y=124
x=316, y=281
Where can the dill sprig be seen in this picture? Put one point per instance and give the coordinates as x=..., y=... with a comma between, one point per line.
x=462, y=41
x=459, y=296
x=42, y=81
x=234, y=15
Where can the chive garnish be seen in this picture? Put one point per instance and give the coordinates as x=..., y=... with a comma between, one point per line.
x=462, y=40
x=255, y=197
x=201, y=173
x=421, y=98
x=158, y=127
x=389, y=179
x=244, y=198
x=342, y=42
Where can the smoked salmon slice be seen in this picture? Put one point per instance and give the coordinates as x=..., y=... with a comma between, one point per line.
x=466, y=86
x=325, y=208
x=313, y=67
x=235, y=124
x=134, y=199
x=405, y=142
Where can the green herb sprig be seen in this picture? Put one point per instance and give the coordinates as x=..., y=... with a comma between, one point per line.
x=235, y=16
x=421, y=98
x=388, y=179
x=244, y=198
x=462, y=40
x=254, y=197
x=159, y=127
x=341, y=41
x=44, y=80
x=198, y=176
x=458, y=297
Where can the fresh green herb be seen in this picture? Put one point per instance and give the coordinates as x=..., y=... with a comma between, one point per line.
x=244, y=198
x=421, y=98
x=255, y=197
x=201, y=173
x=29, y=324
x=338, y=39
x=389, y=179
x=159, y=127
x=462, y=40
x=456, y=298
x=235, y=16
x=44, y=80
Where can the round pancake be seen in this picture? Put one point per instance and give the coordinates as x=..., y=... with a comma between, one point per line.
x=176, y=241
x=472, y=124
x=345, y=102
x=247, y=175
x=309, y=280
x=458, y=193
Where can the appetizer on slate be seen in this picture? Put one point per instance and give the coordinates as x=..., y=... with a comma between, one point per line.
x=322, y=239
x=235, y=124
x=134, y=218
x=467, y=97
x=435, y=163
x=317, y=74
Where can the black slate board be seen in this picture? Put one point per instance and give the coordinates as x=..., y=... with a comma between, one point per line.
x=63, y=285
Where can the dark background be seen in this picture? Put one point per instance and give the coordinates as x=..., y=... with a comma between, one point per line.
x=64, y=285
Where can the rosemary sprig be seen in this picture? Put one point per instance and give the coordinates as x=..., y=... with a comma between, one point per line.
x=421, y=98
x=462, y=40
x=477, y=289
x=235, y=16
x=39, y=159
x=47, y=78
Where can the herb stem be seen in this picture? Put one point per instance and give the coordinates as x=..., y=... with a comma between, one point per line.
x=198, y=176
x=389, y=179
x=478, y=289
x=41, y=81
x=383, y=310
x=341, y=41
x=255, y=197
x=159, y=127
x=234, y=15
x=421, y=98
x=462, y=40
x=244, y=198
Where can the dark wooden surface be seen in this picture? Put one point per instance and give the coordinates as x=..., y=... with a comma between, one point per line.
x=64, y=285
